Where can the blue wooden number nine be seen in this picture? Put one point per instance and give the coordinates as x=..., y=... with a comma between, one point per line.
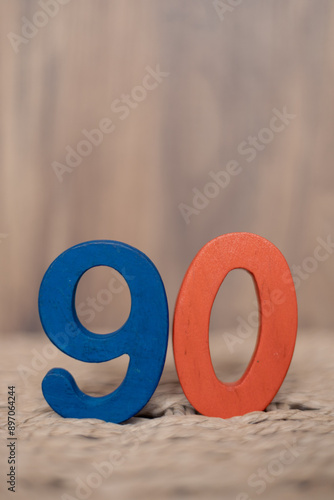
x=143, y=337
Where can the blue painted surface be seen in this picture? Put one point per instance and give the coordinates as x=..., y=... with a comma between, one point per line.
x=143, y=337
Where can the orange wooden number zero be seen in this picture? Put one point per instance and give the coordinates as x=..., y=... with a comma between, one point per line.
x=277, y=331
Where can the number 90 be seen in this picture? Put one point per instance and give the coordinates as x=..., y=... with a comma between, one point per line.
x=144, y=336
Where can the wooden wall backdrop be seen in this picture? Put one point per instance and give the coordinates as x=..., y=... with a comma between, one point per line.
x=225, y=78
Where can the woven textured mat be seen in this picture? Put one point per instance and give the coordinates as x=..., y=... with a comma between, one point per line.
x=168, y=451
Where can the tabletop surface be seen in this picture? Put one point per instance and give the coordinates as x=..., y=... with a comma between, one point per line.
x=168, y=450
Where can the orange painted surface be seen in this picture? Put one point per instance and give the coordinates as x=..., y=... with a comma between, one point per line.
x=277, y=332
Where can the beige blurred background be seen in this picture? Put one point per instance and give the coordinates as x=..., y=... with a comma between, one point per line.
x=224, y=72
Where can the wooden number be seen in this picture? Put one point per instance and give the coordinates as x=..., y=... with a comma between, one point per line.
x=277, y=332
x=143, y=337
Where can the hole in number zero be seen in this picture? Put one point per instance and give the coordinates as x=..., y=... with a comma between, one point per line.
x=234, y=345
x=277, y=332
